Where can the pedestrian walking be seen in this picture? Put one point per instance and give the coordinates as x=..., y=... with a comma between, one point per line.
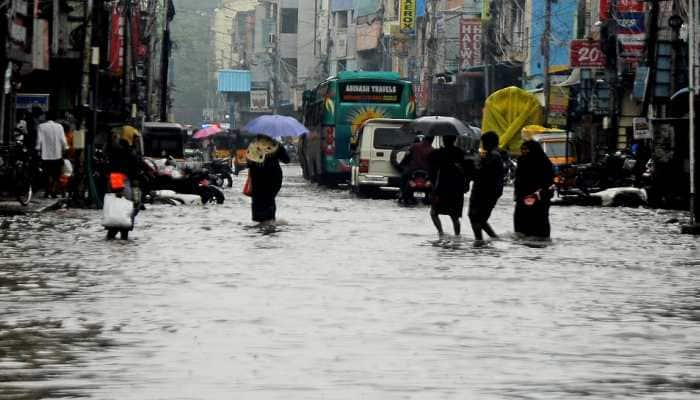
x=487, y=188
x=265, y=174
x=534, y=178
x=449, y=172
x=51, y=144
x=125, y=162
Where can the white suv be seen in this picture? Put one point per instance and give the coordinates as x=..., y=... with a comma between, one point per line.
x=372, y=167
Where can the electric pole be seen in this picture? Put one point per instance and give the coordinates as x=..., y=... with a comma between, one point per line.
x=431, y=49
x=277, y=81
x=150, y=61
x=165, y=63
x=546, y=37
x=693, y=227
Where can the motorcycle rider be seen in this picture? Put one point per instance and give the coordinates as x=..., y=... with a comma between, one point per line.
x=416, y=159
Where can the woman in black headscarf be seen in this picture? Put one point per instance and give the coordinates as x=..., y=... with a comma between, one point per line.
x=534, y=177
x=266, y=179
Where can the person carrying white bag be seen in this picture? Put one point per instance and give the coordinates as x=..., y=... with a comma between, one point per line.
x=123, y=202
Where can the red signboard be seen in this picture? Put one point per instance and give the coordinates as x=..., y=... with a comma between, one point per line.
x=116, y=42
x=636, y=6
x=470, y=42
x=586, y=54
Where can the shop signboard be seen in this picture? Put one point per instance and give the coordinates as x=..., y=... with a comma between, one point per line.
x=586, y=54
x=259, y=100
x=641, y=128
x=636, y=6
x=27, y=101
x=470, y=42
x=408, y=16
x=558, y=106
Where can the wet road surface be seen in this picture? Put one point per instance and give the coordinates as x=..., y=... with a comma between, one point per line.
x=349, y=298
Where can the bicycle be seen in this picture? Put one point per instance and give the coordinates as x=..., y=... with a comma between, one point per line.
x=16, y=173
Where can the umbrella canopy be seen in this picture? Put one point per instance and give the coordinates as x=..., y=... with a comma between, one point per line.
x=275, y=126
x=438, y=126
x=207, y=132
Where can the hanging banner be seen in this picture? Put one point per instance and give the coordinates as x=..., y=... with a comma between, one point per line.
x=116, y=42
x=408, y=16
x=470, y=42
x=138, y=47
x=40, y=45
x=623, y=6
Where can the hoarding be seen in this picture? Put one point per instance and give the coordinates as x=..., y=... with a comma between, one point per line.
x=470, y=42
x=408, y=16
x=258, y=100
x=586, y=54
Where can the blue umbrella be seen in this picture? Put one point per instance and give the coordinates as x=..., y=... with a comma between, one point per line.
x=275, y=126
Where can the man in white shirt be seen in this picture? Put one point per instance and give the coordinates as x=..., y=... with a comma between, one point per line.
x=51, y=143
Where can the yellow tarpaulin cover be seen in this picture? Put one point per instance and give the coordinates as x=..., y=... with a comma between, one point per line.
x=506, y=112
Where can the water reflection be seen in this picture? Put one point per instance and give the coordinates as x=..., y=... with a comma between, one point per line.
x=346, y=298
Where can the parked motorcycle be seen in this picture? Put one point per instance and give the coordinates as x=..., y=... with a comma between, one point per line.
x=185, y=181
x=221, y=172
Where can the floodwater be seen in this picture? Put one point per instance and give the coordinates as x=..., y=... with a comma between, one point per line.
x=348, y=298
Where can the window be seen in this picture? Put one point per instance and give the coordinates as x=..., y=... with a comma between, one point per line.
x=290, y=20
x=342, y=65
x=341, y=18
x=392, y=138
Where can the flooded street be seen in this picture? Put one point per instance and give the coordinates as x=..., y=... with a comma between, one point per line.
x=350, y=298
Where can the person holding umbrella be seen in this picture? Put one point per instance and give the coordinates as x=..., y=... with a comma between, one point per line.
x=264, y=157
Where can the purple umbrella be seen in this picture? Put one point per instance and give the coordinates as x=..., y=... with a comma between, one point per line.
x=275, y=126
x=207, y=132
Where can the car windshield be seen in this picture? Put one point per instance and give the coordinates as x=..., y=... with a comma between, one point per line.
x=557, y=149
x=392, y=138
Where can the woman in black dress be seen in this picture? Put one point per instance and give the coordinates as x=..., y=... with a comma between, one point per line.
x=266, y=180
x=534, y=177
x=448, y=171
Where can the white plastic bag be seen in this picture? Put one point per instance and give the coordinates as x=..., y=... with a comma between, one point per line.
x=67, y=167
x=116, y=212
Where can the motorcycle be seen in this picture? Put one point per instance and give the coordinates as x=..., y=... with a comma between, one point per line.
x=221, y=171
x=185, y=181
x=417, y=181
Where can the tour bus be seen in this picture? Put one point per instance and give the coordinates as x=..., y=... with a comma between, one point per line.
x=337, y=108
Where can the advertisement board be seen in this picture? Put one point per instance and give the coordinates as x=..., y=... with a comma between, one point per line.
x=407, y=16
x=469, y=42
x=586, y=54
x=259, y=100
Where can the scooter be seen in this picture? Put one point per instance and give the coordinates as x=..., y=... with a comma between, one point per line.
x=418, y=181
x=221, y=171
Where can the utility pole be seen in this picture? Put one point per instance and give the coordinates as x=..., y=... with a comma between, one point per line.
x=150, y=61
x=277, y=81
x=694, y=227
x=4, y=67
x=165, y=62
x=546, y=38
x=127, y=56
x=431, y=49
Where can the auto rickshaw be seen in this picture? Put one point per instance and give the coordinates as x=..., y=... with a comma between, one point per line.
x=234, y=145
